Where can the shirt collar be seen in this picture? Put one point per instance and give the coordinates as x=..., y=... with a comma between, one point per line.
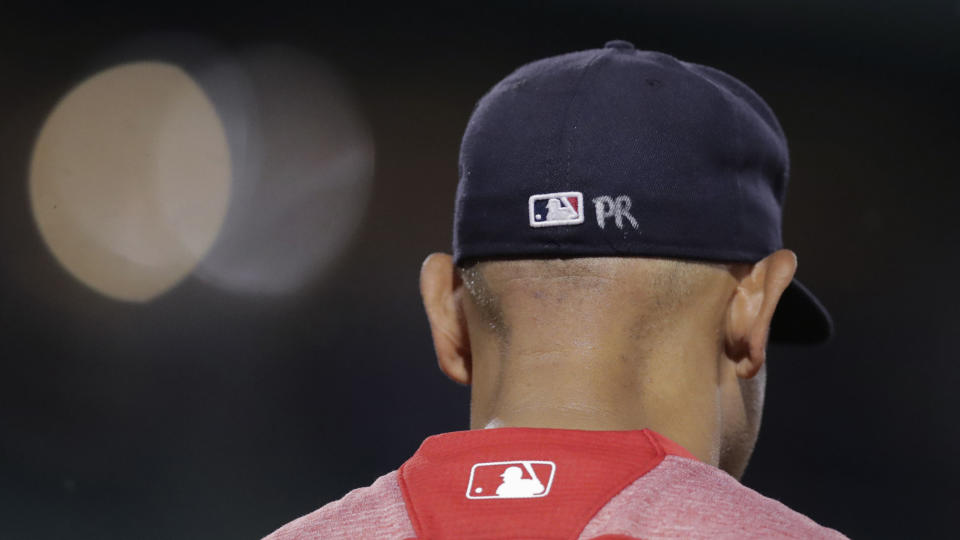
x=521, y=482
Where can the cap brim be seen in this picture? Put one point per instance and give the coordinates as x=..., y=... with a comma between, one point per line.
x=800, y=318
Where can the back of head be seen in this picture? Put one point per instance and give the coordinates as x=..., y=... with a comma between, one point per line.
x=618, y=258
x=619, y=152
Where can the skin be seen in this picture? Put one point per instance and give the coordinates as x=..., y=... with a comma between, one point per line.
x=608, y=343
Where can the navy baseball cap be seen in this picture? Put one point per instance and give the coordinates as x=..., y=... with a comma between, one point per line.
x=621, y=152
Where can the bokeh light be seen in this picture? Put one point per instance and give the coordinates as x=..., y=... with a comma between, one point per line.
x=303, y=164
x=249, y=170
x=130, y=179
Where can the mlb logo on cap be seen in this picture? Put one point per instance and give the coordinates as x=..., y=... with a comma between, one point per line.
x=510, y=479
x=551, y=209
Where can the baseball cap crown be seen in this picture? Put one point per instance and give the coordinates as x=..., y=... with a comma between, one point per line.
x=645, y=155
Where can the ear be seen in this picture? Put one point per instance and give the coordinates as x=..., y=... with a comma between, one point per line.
x=751, y=310
x=439, y=285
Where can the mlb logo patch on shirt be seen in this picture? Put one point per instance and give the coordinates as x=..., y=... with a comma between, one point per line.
x=552, y=209
x=511, y=479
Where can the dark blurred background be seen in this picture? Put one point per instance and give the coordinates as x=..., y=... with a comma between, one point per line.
x=227, y=403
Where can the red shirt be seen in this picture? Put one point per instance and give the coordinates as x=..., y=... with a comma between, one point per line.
x=525, y=483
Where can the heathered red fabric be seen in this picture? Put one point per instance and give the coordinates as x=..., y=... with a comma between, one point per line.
x=569, y=484
x=685, y=498
x=376, y=511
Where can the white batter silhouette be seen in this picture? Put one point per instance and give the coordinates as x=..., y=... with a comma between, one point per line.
x=556, y=211
x=515, y=486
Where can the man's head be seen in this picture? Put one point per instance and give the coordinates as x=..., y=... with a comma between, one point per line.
x=617, y=252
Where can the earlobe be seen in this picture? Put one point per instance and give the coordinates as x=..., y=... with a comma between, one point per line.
x=751, y=310
x=439, y=283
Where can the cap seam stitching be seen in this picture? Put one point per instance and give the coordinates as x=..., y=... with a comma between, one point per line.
x=563, y=143
x=728, y=98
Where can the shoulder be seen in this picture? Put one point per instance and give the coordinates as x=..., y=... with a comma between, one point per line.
x=685, y=498
x=376, y=511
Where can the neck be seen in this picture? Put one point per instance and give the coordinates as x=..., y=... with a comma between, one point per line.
x=608, y=388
